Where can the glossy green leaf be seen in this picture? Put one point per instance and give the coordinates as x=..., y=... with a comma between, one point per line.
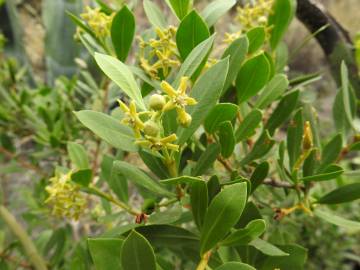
x=206, y=159
x=267, y=248
x=82, y=177
x=279, y=20
x=343, y=194
x=155, y=164
x=78, y=155
x=214, y=10
x=259, y=175
x=331, y=172
x=241, y=237
x=220, y=113
x=226, y=139
x=122, y=32
x=251, y=212
x=248, y=125
x=139, y=178
x=256, y=37
x=206, y=91
x=282, y=112
x=181, y=180
x=109, y=129
x=179, y=7
x=213, y=187
x=137, y=253
x=272, y=91
x=330, y=152
x=351, y=226
x=235, y=266
x=154, y=14
x=122, y=76
x=310, y=163
x=294, y=137
x=199, y=202
x=191, y=31
x=223, y=213
x=252, y=76
x=237, y=51
x=105, y=252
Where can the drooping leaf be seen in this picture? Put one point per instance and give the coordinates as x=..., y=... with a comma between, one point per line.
x=154, y=14
x=248, y=125
x=122, y=32
x=199, y=202
x=78, y=155
x=137, y=253
x=223, y=213
x=214, y=10
x=220, y=113
x=122, y=76
x=252, y=76
x=226, y=139
x=343, y=194
x=108, y=129
x=105, y=252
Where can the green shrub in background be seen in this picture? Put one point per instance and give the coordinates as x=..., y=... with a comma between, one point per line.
x=194, y=151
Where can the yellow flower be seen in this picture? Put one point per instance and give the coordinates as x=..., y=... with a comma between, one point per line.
x=132, y=118
x=98, y=21
x=65, y=197
x=157, y=144
x=230, y=37
x=254, y=15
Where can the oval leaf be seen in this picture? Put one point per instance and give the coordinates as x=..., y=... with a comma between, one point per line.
x=220, y=113
x=342, y=194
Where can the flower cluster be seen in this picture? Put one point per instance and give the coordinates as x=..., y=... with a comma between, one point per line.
x=253, y=15
x=147, y=125
x=65, y=197
x=160, y=54
x=98, y=21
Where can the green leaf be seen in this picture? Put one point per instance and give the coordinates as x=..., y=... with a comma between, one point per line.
x=237, y=51
x=351, y=226
x=194, y=60
x=199, y=202
x=155, y=164
x=179, y=7
x=259, y=175
x=261, y=147
x=267, y=248
x=139, y=178
x=108, y=129
x=206, y=159
x=220, y=113
x=345, y=91
x=331, y=172
x=330, y=152
x=235, y=266
x=342, y=194
x=273, y=90
x=82, y=177
x=241, y=237
x=223, y=213
x=310, y=163
x=137, y=253
x=295, y=137
x=282, y=112
x=252, y=76
x=181, y=180
x=154, y=14
x=78, y=155
x=206, y=92
x=279, y=20
x=191, y=31
x=213, y=187
x=214, y=10
x=226, y=139
x=119, y=73
x=122, y=32
x=118, y=184
x=256, y=37
x=105, y=252
x=251, y=212
x=248, y=125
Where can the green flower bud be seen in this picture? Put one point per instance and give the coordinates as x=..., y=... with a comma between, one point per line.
x=151, y=128
x=157, y=102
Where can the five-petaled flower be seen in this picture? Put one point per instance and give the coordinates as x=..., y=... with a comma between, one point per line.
x=132, y=117
x=157, y=144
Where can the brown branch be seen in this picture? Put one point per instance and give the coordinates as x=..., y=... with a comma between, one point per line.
x=281, y=184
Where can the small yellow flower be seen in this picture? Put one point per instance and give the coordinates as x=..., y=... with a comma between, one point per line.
x=65, y=197
x=177, y=98
x=157, y=144
x=230, y=37
x=253, y=15
x=132, y=118
x=98, y=21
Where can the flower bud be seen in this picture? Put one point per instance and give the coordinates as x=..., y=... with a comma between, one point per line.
x=184, y=119
x=157, y=102
x=307, y=137
x=151, y=128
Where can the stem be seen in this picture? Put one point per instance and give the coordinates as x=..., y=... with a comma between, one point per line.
x=20, y=233
x=204, y=261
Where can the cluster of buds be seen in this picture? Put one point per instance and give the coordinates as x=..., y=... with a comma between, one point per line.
x=65, y=197
x=147, y=125
x=159, y=54
x=98, y=21
x=254, y=15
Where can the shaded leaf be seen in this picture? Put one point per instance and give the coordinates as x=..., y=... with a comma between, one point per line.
x=220, y=113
